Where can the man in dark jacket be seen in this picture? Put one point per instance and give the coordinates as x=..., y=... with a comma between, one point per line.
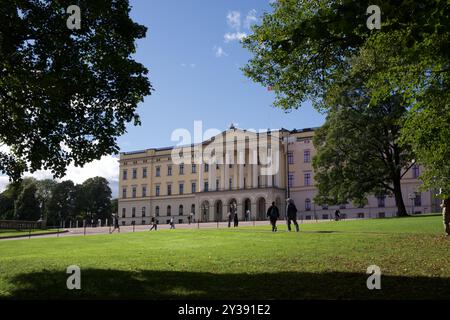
x=273, y=215
x=291, y=210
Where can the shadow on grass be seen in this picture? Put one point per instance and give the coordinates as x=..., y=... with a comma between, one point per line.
x=115, y=284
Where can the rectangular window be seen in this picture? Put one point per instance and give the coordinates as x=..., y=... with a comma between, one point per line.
x=418, y=200
x=290, y=156
x=306, y=156
x=381, y=201
x=125, y=174
x=181, y=188
x=206, y=187
x=157, y=191
x=158, y=171
x=206, y=167
x=144, y=191
x=124, y=211
x=360, y=215
x=194, y=168
x=133, y=192
x=230, y=183
x=181, y=169
x=169, y=189
x=415, y=172
x=144, y=173
x=290, y=180
x=307, y=179
x=134, y=173
x=133, y=212
x=217, y=184
x=193, y=187
x=325, y=217
x=169, y=170
x=124, y=193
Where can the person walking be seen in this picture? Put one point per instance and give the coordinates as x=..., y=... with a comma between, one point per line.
x=116, y=224
x=337, y=215
x=445, y=205
x=247, y=215
x=154, y=224
x=230, y=217
x=172, y=223
x=273, y=213
x=236, y=220
x=291, y=210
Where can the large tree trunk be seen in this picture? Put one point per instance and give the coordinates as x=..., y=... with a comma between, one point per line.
x=401, y=209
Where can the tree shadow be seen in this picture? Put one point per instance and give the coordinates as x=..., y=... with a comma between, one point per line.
x=147, y=284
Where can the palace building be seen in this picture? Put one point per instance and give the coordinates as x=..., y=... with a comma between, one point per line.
x=239, y=169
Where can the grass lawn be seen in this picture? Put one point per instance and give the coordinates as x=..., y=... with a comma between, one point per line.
x=5, y=233
x=325, y=260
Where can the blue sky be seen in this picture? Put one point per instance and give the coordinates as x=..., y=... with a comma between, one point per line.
x=196, y=72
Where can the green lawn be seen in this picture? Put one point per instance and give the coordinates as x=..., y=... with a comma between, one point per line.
x=326, y=260
x=5, y=233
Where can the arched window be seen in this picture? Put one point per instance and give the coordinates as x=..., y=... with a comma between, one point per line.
x=169, y=210
x=307, y=204
x=180, y=210
x=157, y=211
x=143, y=211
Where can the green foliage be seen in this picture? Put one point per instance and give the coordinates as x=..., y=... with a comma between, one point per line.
x=304, y=48
x=65, y=95
x=27, y=205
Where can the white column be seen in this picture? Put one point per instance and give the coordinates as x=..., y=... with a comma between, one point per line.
x=223, y=182
x=227, y=171
x=235, y=176
x=254, y=165
x=200, y=177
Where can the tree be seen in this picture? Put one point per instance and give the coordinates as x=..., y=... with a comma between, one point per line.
x=44, y=193
x=27, y=205
x=95, y=198
x=62, y=204
x=304, y=47
x=357, y=149
x=65, y=95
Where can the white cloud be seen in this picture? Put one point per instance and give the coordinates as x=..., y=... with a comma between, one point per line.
x=234, y=20
x=250, y=19
x=219, y=52
x=235, y=36
x=107, y=167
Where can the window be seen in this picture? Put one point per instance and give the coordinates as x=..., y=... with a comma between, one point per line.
x=133, y=192
x=193, y=209
x=217, y=183
x=158, y=171
x=193, y=187
x=418, y=200
x=143, y=211
x=360, y=215
x=415, y=171
x=169, y=170
x=123, y=223
x=325, y=217
x=157, y=211
x=134, y=173
x=307, y=179
x=307, y=205
x=324, y=207
x=144, y=191
x=290, y=180
x=133, y=212
x=290, y=157
x=180, y=210
x=194, y=168
x=381, y=201
x=144, y=172
x=206, y=167
x=181, y=188
x=124, y=193
x=180, y=221
x=169, y=210
x=181, y=169
x=381, y=215
x=169, y=189
x=125, y=174
x=157, y=191
x=230, y=183
x=306, y=156
x=124, y=211
x=206, y=187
